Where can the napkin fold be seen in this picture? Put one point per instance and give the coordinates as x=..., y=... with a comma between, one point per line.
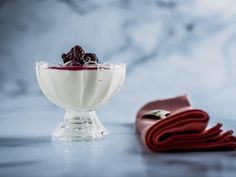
x=184, y=129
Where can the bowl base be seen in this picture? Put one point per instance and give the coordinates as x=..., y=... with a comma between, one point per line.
x=79, y=126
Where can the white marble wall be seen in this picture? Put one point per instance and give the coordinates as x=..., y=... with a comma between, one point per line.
x=170, y=47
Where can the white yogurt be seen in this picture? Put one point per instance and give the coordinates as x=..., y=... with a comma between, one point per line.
x=80, y=90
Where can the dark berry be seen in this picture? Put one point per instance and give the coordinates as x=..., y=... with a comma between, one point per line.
x=77, y=49
x=91, y=57
x=77, y=56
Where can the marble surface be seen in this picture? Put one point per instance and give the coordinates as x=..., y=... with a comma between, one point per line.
x=170, y=47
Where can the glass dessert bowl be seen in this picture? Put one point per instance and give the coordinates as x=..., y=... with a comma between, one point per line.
x=80, y=90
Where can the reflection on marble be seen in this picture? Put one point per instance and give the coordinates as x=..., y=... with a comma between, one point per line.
x=170, y=47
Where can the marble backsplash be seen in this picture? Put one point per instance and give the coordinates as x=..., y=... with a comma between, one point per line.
x=170, y=47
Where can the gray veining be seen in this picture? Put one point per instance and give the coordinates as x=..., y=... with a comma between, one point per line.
x=170, y=47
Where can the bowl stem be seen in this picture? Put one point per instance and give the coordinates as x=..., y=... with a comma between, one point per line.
x=79, y=126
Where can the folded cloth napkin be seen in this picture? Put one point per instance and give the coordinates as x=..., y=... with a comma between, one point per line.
x=182, y=129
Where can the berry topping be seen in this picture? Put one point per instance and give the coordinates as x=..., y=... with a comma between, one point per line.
x=78, y=57
x=91, y=58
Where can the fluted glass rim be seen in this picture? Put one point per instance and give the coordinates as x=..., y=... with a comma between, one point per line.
x=47, y=65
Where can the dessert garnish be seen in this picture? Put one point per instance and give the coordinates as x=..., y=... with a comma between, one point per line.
x=78, y=57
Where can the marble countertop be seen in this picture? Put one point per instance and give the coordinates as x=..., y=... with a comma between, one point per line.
x=171, y=47
x=27, y=150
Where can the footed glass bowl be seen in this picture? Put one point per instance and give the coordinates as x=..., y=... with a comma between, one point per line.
x=80, y=90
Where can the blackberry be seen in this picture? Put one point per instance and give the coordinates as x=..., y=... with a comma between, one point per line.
x=77, y=49
x=91, y=57
x=77, y=57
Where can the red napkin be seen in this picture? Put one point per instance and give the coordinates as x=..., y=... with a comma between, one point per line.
x=184, y=129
